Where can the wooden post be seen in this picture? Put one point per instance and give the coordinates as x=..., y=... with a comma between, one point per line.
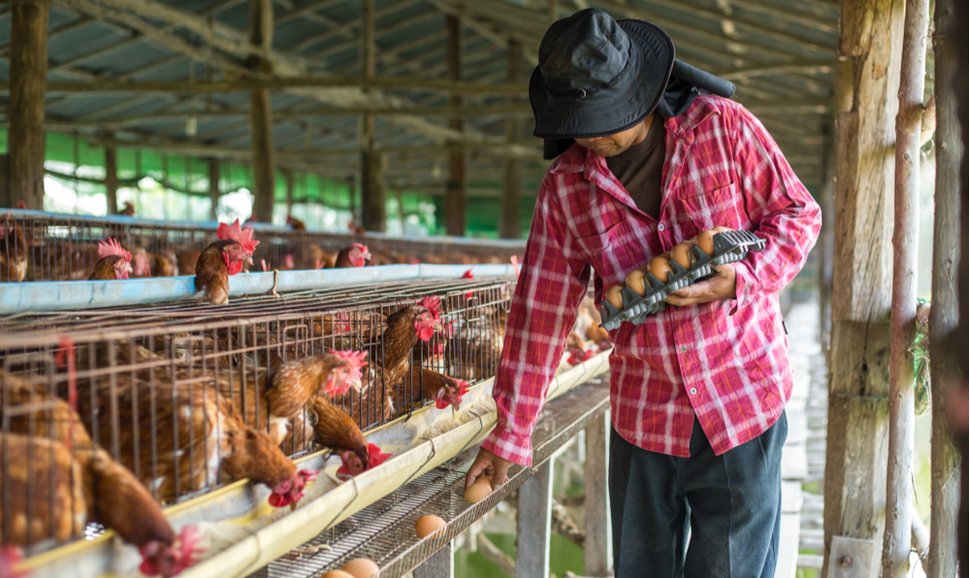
x=441, y=564
x=456, y=187
x=288, y=175
x=214, y=189
x=509, y=227
x=373, y=198
x=897, y=541
x=28, y=81
x=856, y=446
x=261, y=112
x=111, y=179
x=944, y=313
x=826, y=247
x=532, y=529
x=597, y=557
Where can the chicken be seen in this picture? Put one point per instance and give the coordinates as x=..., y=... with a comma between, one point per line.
x=114, y=262
x=63, y=468
x=272, y=408
x=145, y=264
x=13, y=251
x=196, y=435
x=338, y=431
x=222, y=259
x=295, y=224
x=423, y=384
x=187, y=260
x=391, y=356
x=128, y=211
x=355, y=255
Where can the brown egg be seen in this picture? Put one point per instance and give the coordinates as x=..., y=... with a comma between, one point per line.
x=635, y=281
x=723, y=229
x=362, y=568
x=477, y=492
x=659, y=267
x=338, y=574
x=613, y=296
x=705, y=240
x=681, y=254
x=427, y=525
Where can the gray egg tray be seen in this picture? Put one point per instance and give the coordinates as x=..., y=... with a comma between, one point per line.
x=729, y=246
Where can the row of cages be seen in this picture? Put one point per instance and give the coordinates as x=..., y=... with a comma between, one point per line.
x=189, y=398
x=51, y=247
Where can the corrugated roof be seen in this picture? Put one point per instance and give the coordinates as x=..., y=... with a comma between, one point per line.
x=97, y=39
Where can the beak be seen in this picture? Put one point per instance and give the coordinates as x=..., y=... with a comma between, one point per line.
x=248, y=259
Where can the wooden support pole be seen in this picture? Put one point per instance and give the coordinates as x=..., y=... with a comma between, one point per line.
x=441, y=564
x=597, y=557
x=455, y=193
x=533, y=530
x=288, y=175
x=372, y=194
x=509, y=227
x=945, y=312
x=826, y=246
x=214, y=189
x=111, y=179
x=261, y=112
x=897, y=541
x=856, y=444
x=28, y=78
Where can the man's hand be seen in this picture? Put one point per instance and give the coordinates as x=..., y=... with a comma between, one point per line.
x=487, y=463
x=722, y=285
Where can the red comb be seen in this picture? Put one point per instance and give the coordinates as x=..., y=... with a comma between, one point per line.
x=468, y=275
x=356, y=358
x=432, y=304
x=112, y=248
x=233, y=232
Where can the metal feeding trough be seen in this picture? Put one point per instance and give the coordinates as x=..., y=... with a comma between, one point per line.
x=729, y=246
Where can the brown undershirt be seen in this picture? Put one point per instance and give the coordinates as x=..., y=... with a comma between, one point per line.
x=640, y=169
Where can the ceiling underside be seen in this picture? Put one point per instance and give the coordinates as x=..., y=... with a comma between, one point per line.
x=780, y=54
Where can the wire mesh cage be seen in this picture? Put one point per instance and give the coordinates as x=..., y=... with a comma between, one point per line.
x=188, y=397
x=51, y=247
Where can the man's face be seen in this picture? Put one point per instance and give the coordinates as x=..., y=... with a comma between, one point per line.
x=616, y=143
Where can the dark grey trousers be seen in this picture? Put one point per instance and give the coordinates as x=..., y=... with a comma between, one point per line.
x=728, y=505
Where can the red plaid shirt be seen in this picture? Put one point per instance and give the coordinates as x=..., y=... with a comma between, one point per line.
x=724, y=362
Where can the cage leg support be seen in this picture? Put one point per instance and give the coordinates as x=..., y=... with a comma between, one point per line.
x=441, y=564
x=535, y=515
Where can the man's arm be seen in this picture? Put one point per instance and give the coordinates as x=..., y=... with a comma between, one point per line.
x=552, y=283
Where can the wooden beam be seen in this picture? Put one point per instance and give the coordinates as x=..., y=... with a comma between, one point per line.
x=509, y=225
x=755, y=70
x=455, y=196
x=856, y=443
x=282, y=83
x=945, y=312
x=261, y=112
x=28, y=75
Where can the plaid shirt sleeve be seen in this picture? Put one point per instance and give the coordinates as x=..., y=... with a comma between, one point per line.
x=552, y=283
x=787, y=216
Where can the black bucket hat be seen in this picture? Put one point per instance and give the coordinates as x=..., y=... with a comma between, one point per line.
x=598, y=76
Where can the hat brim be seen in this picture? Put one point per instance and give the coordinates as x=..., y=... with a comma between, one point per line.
x=558, y=121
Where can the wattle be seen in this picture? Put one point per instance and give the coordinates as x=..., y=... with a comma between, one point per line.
x=234, y=267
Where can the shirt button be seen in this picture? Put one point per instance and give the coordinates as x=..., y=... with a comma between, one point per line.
x=683, y=349
x=661, y=228
x=693, y=391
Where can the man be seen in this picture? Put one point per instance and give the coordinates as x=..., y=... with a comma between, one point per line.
x=698, y=391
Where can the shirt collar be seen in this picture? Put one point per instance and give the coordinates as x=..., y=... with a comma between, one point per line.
x=577, y=159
